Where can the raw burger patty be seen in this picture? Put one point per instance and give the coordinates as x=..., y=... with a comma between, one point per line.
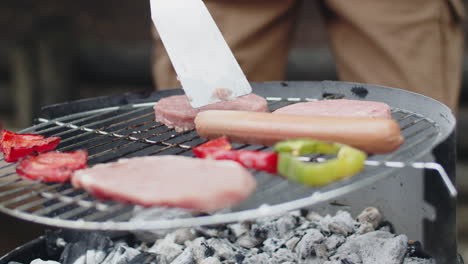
x=339, y=108
x=173, y=181
x=176, y=111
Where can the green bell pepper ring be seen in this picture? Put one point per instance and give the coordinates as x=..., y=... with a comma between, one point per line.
x=348, y=161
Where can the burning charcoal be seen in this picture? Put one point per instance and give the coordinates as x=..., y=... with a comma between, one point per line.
x=157, y=213
x=54, y=242
x=40, y=261
x=370, y=215
x=346, y=261
x=239, y=258
x=167, y=248
x=374, y=247
x=333, y=262
x=365, y=228
x=89, y=248
x=121, y=255
x=14, y=262
x=210, y=260
x=415, y=249
x=248, y=241
x=186, y=257
x=273, y=244
x=306, y=246
x=147, y=258
x=386, y=226
x=334, y=241
x=261, y=258
x=283, y=255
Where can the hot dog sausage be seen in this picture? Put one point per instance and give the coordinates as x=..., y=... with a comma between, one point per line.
x=373, y=135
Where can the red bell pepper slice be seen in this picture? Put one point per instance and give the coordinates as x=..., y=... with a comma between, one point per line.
x=16, y=146
x=52, y=166
x=221, y=149
x=206, y=149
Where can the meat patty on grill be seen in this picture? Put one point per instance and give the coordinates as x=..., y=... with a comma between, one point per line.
x=176, y=111
x=340, y=108
x=173, y=181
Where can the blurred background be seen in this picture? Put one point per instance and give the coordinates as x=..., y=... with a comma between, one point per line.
x=55, y=51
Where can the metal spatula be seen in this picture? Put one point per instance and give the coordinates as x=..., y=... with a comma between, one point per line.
x=202, y=59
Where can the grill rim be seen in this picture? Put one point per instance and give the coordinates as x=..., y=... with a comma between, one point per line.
x=243, y=215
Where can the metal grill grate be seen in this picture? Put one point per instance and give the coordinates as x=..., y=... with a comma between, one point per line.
x=129, y=131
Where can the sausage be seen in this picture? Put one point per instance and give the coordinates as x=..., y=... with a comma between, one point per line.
x=373, y=135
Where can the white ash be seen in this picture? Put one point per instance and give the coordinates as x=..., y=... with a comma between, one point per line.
x=186, y=257
x=334, y=241
x=167, y=248
x=418, y=261
x=238, y=229
x=365, y=228
x=40, y=261
x=121, y=255
x=218, y=231
x=223, y=249
x=248, y=241
x=370, y=215
x=342, y=223
x=283, y=255
x=374, y=247
x=261, y=258
x=321, y=251
x=211, y=260
x=306, y=246
x=296, y=238
x=160, y=213
x=200, y=249
x=183, y=235
x=292, y=243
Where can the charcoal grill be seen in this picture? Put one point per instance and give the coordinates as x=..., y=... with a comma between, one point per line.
x=123, y=126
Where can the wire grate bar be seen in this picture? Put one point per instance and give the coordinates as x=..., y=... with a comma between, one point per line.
x=72, y=122
x=35, y=203
x=97, y=138
x=412, y=123
x=66, y=200
x=73, y=213
x=5, y=184
x=56, y=206
x=18, y=189
x=102, y=214
x=405, y=116
x=73, y=127
x=26, y=196
x=410, y=146
x=6, y=166
x=7, y=175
